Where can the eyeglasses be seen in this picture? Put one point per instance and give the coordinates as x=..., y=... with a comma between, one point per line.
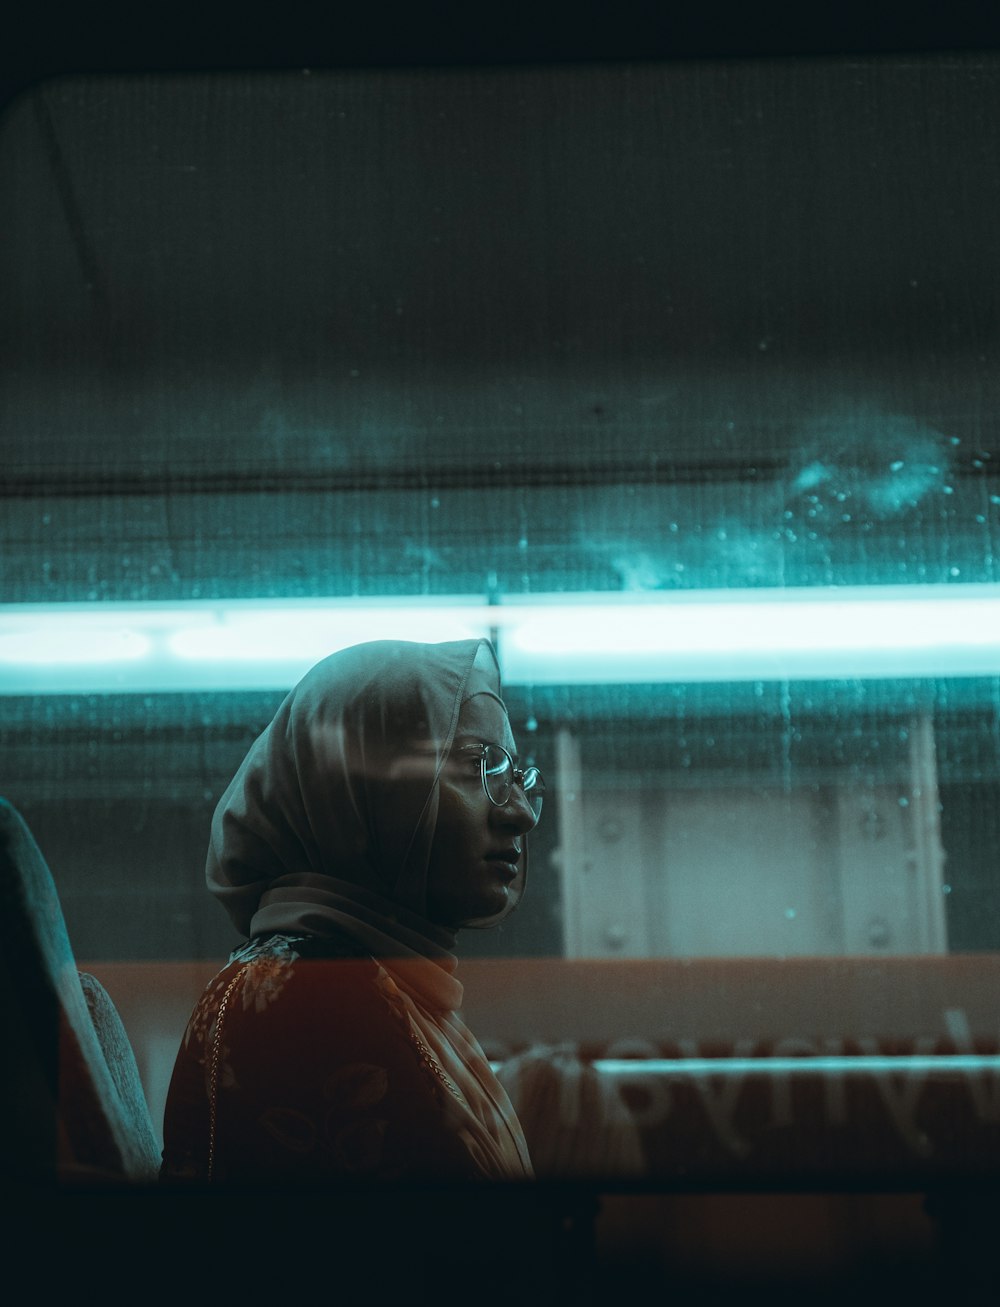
x=500, y=776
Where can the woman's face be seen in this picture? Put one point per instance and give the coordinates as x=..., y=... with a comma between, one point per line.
x=478, y=848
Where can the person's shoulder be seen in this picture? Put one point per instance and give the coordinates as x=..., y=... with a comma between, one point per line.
x=329, y=974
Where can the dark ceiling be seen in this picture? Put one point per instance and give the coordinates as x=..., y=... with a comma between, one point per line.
x=47, y=39
x=551, y=257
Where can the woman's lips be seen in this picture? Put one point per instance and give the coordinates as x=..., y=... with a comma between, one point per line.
x=505, y=861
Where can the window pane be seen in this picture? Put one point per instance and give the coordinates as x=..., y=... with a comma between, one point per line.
x=510, y=335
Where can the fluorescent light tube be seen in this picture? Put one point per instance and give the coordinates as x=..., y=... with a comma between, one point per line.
x=858, y=632
x=841, y=633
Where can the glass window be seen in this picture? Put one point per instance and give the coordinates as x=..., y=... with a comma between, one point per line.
x=644, y=339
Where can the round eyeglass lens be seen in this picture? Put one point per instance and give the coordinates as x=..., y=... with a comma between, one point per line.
x=499, y=773
x=534, y=790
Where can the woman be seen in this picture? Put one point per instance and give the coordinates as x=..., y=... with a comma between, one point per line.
x=378, y=813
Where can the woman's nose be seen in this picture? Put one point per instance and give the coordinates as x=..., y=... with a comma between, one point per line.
x=517, y=811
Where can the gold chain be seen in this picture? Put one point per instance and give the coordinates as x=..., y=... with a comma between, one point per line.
x=213, y=1077
x=431, y=1061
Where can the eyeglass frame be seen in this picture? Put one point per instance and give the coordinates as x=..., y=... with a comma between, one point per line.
x=517, y=777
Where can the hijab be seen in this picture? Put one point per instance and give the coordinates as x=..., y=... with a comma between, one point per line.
x=328, y=824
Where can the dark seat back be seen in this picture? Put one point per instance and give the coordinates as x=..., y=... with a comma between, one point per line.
x=75, y=1102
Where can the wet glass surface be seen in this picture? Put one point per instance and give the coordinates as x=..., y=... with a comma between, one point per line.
x=625, y=330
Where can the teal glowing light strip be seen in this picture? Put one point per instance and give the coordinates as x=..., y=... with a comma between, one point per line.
x=962, y=1063
x=858, y=632
x=694, y=1068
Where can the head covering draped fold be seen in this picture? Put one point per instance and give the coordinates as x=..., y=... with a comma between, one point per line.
x=331, y=817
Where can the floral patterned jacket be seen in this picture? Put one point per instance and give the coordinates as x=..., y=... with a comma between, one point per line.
x=299, y=1062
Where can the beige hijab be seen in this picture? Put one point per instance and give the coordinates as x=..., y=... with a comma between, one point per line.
x=321, y=830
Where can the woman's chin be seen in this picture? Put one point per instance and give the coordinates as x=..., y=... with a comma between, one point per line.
x=487, y=904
